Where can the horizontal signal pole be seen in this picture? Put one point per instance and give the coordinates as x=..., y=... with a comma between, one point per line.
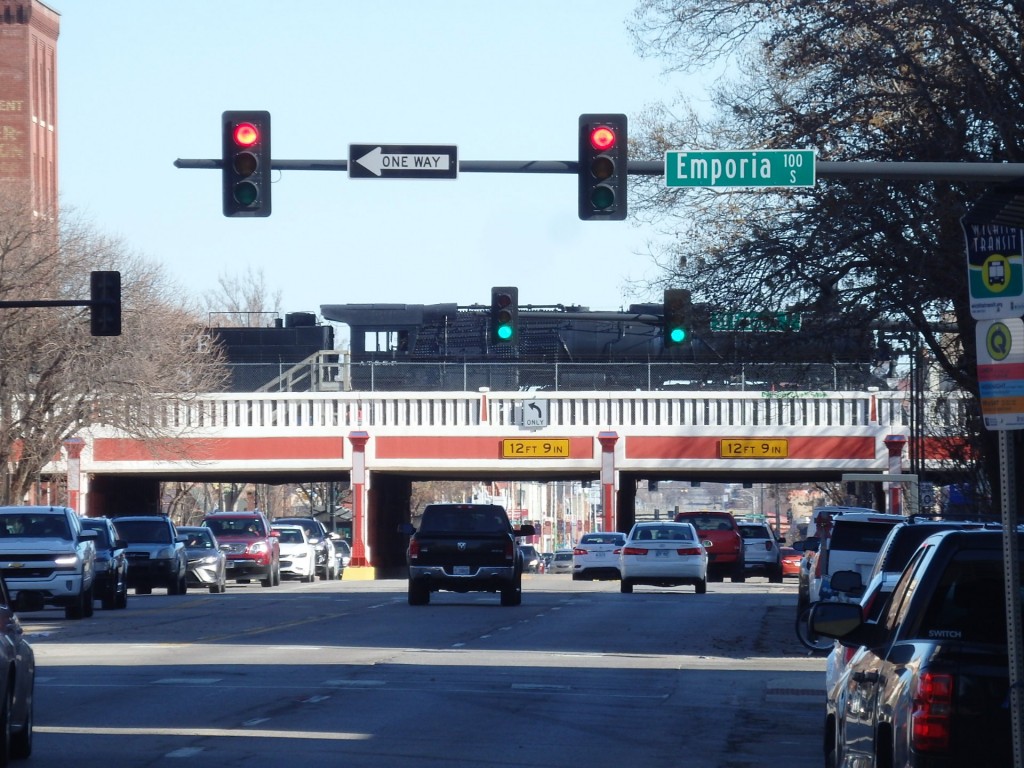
x=858, y=169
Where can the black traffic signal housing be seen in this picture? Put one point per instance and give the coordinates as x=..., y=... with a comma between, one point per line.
x=677, y=317
x=602, y=167
x=105, y=303
x=246, y=162
x=504, y=315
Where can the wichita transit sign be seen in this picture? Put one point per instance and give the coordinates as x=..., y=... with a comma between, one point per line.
x=740, y=168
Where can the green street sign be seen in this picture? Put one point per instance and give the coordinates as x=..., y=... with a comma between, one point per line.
x=755, y=321
x=740, y=168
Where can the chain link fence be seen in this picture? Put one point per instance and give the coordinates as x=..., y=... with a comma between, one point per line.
x=330, y=372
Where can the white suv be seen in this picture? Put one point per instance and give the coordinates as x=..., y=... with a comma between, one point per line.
x=761, y=553
x=850, y=543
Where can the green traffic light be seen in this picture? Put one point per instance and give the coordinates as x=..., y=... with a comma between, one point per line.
x=504, y=332
x=677, y=335
x=246, y=193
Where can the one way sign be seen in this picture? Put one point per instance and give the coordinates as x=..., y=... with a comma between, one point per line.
x=402, y=161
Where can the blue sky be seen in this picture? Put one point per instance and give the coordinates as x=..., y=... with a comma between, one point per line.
x=143, y=83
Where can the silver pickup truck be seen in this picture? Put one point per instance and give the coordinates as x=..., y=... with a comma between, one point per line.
x=47, y=558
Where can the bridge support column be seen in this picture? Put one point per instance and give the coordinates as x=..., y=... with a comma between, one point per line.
x=895, y=444
x=359, y=440
x=74, y=446
x=608, y=508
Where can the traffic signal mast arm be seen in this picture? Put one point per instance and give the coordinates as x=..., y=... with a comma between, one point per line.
x=866, y=169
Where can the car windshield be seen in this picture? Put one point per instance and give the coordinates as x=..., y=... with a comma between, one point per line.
x=484, y=519
x=199, y=539
x=35, y=526
x=290, y=535
x=235, y=526
x=663, y=533
x=709, y=523
x=754, y=532
x=563, y=555
x=856, y=536
x=603, y=538
x=144, y=531
x=102, y=534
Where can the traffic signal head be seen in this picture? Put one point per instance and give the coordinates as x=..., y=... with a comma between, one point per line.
x=504, y=315
x=602, y=167
x=105, y=303
x=676, y=320
x=246, y=163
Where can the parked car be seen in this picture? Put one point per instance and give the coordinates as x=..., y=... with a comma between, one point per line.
x=17, y=684
x=790, y=559
x=596, y=556
x=562, y=561
x=207, y=563
x=156, y=555
x=761, y=554
x=663, y=554
x=298, y=553
x=850, y=542
x=531, y=558
x=721, y=539
x=252, y=548
x=48, y=559
x=110, y=586
x=930, y=684
x=326, y=559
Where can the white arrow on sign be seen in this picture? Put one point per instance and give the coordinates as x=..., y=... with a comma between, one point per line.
x=376, y=161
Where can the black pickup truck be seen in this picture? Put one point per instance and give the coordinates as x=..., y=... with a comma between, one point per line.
x=929, y=683
x=465, y=548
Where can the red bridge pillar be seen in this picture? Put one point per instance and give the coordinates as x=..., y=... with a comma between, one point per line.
x=608, y=440
x=359, y=440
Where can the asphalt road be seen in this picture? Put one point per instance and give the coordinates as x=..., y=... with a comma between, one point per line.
x=345, y=673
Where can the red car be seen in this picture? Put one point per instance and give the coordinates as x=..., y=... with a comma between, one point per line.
x=253, y=549
x=720, y=536
x=791, y=561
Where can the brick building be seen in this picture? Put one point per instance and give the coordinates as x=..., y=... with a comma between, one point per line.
x=28, y=99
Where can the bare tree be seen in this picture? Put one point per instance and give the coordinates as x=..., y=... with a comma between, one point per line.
x=55, y=379
x=242, y=300
x=856, y=80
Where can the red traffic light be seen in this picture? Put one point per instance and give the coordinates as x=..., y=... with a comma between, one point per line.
x=245, y=134
x=602, y=138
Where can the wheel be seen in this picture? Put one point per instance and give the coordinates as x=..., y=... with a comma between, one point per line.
x=803, y=633
x=88, y=603
x=701, y=587
x=174, y=587
x=739, y=573
x=419, y=594
x=143, y=590
x=122, y=598
x=183, y=585
x=76, y=610
x=214, y=589
x=108, y=602
x=311, y=577
x=775, y=574
x=21, y=738
x=626, y=587
x=513, y=595
x=269, y=581
x=277, y=575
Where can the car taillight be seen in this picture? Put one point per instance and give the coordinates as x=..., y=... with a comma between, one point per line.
x=633, y=551
x=932, y=712
x=510, y=551
x=414, y=549
x=688, y=551
x=767, y=546
x=579, y=551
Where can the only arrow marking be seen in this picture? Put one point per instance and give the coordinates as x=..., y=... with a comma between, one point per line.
x=376, y=161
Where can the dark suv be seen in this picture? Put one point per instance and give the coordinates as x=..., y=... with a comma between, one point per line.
x=251, y=546
x=156, y=555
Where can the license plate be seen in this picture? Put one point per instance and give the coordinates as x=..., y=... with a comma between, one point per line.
x=599, y=554
x=461, y=570
x=661, y=553
x=229, y=564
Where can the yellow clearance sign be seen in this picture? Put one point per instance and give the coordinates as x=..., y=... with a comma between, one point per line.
x=535, y=448
x=753, y=448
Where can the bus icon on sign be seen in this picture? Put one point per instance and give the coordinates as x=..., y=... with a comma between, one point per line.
x=996, y=272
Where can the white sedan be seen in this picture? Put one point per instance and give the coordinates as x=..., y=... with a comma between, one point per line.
x=663, y=555
x=298, y=553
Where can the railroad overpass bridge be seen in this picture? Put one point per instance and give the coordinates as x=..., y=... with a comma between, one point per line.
x=381, y=442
